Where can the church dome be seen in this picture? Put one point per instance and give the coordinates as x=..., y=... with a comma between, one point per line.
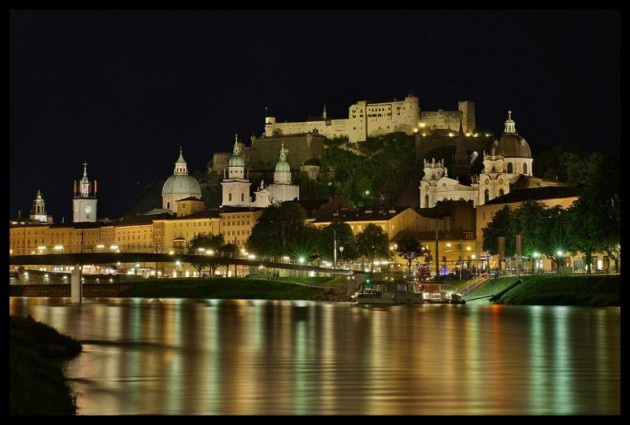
x=511, y=145
x=181, y=185
x=236, y=160
x=283, y=166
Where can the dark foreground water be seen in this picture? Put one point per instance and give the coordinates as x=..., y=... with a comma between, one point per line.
x=167, y=356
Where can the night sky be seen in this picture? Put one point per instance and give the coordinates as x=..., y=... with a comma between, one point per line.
x=124, y=89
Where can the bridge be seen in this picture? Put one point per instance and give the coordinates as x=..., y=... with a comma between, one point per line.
x=171, y=257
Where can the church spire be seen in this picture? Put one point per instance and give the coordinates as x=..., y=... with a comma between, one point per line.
x=510, y=125
x=181, y=168
x=236, y=150
x=85, y=177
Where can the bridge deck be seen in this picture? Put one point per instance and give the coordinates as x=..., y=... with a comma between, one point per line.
x=113, y=258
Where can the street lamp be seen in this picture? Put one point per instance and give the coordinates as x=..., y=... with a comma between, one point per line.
x=559, y=253
x=536, y=256
x=341, y=255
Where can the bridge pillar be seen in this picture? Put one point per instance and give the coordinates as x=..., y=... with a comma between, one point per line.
x=76, y=290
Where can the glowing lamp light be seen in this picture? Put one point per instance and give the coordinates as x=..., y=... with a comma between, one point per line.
x=58, y=247
x=209, y=252
x=448, y=245
x=559, y=253
x=171, y=252
x=201, y=249
x=467, y=248
x=251, y=256
x=114, y=248
x=178, y=263
x=473, y=256
x=301, y=260
x=100, y=246
x=285, y=258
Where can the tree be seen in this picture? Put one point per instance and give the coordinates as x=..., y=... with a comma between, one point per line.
x=373, y=243
x=281, y=231
x=345, y=239
x=594, y=220
x=529, y=222
x=409, y=248
x=554, y=228
x=501, y=225
x=203, y=240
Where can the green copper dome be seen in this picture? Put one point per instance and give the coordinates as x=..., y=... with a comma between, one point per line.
x=236, y=160
x=283, y=166
x=181, y=185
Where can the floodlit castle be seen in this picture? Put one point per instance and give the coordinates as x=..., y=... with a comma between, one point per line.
x=236, y=185
x=509, y=161
x=367, y=119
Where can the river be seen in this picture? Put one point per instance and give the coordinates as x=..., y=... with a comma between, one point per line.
x=205, y=357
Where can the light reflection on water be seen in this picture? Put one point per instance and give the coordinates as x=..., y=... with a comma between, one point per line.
x=170, y=356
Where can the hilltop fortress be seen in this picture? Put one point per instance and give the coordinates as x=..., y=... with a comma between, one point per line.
x=305, y=140
x=367, y=119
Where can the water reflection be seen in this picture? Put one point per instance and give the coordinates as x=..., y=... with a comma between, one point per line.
x=153, y=356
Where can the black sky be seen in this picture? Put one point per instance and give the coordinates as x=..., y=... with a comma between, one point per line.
x=124, y=89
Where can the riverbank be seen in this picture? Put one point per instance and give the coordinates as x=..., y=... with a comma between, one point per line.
x=37, y=380
x=243, y=288
x=574, y=290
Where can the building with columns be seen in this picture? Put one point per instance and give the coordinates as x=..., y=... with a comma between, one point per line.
x=510, y=161
x=179, y=186
x=84, y=202
x=236, y=186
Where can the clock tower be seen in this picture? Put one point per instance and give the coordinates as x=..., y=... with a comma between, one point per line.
x=84, y=202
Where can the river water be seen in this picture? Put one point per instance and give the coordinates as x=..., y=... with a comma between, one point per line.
x=170, y=356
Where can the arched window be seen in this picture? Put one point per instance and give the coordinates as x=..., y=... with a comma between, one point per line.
x=229, y=197
x=487, y=196
x=501, y=192
x=168, y=205
x=509, y=168
x=524, y=168
x=242, y=197
x=426, y=201
x=494, y=169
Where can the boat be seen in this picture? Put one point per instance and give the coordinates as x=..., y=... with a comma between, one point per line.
x=389, y=292
x=401, y=292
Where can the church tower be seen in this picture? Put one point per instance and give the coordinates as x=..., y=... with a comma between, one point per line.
x=38, y=213
x=235, y=185
x=282, y=190
x=84, y=202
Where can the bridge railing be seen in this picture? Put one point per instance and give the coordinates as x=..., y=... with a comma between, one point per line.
x=153, y=249
x=243, y=254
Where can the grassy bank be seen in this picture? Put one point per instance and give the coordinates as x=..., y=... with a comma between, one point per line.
x=223, y=288
x=37, y=380
x=581, y=290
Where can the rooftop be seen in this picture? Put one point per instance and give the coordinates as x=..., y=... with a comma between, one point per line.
x=537, y=194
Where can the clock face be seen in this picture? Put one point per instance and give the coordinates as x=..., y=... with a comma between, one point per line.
x=88, y=209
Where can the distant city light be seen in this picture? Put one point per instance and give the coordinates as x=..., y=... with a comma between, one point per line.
x=301, y=260
x=100, y=246
x=114, y=248
x=58, y=247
